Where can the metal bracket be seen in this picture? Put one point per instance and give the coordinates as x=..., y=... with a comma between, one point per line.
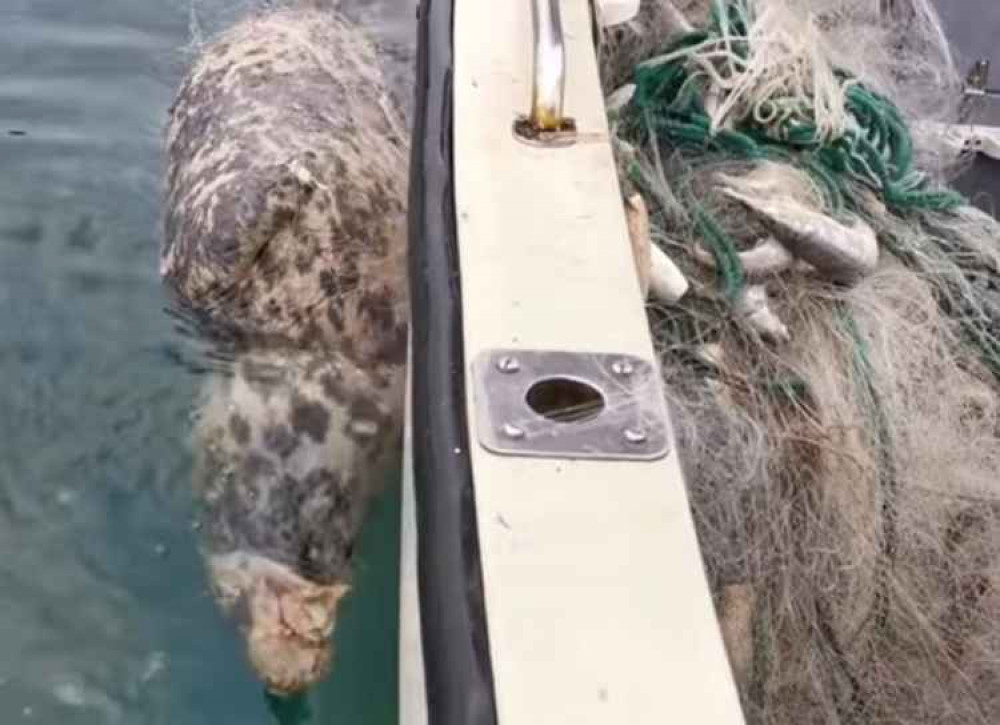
x=570, y=405
x=977, y=82
x=963, y=138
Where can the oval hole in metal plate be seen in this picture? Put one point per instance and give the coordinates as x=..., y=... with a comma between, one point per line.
x=565, y=400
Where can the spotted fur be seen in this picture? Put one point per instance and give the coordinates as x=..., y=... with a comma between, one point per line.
x=291, y=447
x=286, y=188
x=285, y=227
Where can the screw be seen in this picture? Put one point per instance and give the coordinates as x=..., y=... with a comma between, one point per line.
x=623, y=368
x=508, y=364
x=513, y=432
x=635, y=436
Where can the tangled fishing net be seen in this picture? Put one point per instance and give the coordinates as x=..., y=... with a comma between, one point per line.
x=833, y=359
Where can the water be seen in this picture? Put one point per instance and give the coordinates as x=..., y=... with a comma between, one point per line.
x=104, y=614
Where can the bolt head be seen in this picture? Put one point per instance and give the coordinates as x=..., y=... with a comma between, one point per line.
x=508, y=364
x=622, y=368
x=513, y=432
x=635, y=436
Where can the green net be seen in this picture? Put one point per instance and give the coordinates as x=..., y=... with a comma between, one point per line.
x=842, y=478
x=874, y=148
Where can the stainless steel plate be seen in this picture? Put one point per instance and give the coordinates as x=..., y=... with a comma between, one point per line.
x=570, y=405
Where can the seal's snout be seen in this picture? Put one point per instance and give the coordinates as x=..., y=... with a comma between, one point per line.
x=288, y=633
x=287, y=620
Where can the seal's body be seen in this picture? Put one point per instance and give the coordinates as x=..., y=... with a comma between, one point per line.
x=285, y=232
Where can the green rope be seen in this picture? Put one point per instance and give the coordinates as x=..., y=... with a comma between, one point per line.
x=719, y=244
x=723, y=249
x=875, y=151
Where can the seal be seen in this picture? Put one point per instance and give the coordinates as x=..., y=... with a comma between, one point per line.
x=285, y=239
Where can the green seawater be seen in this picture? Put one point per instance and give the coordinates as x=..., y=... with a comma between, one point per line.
x=104, y=613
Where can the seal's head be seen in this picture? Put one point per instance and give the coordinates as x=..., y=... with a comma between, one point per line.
x=291, y=448
x=287, y=619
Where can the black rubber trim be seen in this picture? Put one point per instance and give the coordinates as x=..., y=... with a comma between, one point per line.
x=459, y=674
